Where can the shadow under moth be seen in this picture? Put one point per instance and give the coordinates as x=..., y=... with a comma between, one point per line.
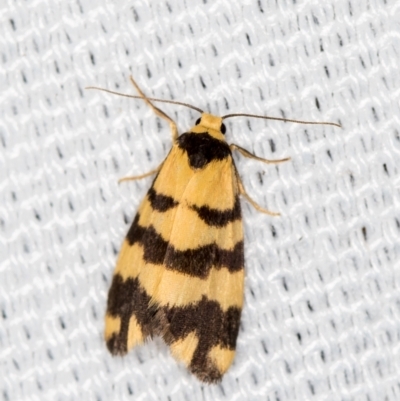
x=180, y=271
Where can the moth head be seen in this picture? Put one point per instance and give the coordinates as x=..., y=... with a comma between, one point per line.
x=211, y=123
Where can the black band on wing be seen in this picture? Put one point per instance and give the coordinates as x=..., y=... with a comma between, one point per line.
x=219, y=218
x=195, y=262
x=199, y=317
x=212, y=326
x=160, y=202
x=127, y=298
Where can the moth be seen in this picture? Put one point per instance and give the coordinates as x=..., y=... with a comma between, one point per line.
x=180, y=271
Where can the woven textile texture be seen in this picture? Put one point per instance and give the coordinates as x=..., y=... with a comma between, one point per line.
x=321, y=319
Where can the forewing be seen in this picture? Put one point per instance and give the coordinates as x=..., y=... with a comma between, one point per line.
x=130, y=312
x=199, y=292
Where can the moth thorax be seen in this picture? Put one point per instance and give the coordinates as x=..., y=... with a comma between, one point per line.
x=211, y=122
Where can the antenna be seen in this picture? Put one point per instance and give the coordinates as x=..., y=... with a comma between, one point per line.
x=279, y=119
x=150, y=98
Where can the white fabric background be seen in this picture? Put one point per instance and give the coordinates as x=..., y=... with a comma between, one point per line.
x=322, y=302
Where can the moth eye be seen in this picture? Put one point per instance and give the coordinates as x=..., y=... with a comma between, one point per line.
x=223, y=128
x=198, y=121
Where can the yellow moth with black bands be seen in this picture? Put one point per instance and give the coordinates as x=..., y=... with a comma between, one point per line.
x=180, y=271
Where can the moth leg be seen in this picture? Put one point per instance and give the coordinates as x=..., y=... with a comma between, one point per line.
x=243, y=192
x=159, y=112
x=246, y=153
x=138, y=177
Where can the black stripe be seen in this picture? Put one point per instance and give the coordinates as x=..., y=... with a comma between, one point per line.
x=212, y=326
x=198, y=262
x=135, y=233
x=218, y=218
x=127, y=298
x=195, y=262
x=159, y=202
x=154, y=247
x=203, y=148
